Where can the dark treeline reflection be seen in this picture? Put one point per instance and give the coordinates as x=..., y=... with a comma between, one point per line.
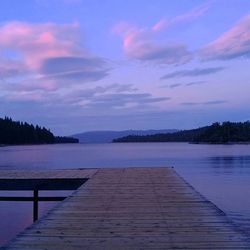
x=229, y=161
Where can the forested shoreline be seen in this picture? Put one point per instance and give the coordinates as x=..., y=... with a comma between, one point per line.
x=226, y=132
x=17, y=133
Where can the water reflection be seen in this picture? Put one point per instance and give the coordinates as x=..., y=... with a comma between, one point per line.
x=229, y=161
x=15, y=216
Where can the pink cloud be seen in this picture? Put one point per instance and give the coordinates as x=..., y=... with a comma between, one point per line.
x=162, y=24
x=41, y=58
x=35, y=42
x=141, y=44
x=232, y=44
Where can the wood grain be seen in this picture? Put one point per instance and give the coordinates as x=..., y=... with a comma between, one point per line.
x=131, y=208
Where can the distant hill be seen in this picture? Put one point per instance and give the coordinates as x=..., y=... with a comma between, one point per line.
x=109, y=136
x=15, y=132
x=227, y=132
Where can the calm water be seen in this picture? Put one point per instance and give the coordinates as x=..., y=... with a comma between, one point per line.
x=220, y=172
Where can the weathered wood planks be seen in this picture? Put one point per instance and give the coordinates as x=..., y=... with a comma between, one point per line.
x=132, y=208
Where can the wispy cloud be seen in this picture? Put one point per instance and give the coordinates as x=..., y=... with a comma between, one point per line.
x=192, y=72
x=74, y=69
x=26, y=92
x=87, y=95
x=189, y=16
x=124, y=100
x=232, y=44
x=176, y=85
x=194, y=83
x=101, y=99
x=216, y=102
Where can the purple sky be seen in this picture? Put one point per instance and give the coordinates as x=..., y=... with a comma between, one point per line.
x=79, y=65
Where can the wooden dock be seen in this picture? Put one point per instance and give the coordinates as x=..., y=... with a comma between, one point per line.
x=129, y=208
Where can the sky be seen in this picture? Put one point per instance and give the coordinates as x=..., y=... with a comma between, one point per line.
x=82, y=65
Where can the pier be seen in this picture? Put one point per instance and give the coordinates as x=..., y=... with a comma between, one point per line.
x=122, y=208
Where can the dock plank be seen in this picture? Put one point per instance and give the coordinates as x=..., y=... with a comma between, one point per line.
x=131, y=208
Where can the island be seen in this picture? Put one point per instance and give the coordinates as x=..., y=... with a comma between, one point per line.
x=217, y=133
x=18, y=133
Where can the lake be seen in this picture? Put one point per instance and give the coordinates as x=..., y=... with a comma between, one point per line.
x=221, y=173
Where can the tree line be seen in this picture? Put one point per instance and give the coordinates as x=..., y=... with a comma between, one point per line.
x=16, y=132
x=226, y=132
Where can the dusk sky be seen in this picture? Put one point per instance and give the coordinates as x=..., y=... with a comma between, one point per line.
x=81, y=65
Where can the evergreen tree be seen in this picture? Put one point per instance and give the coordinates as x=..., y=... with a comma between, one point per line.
x=227, y=132
x=15, y=132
